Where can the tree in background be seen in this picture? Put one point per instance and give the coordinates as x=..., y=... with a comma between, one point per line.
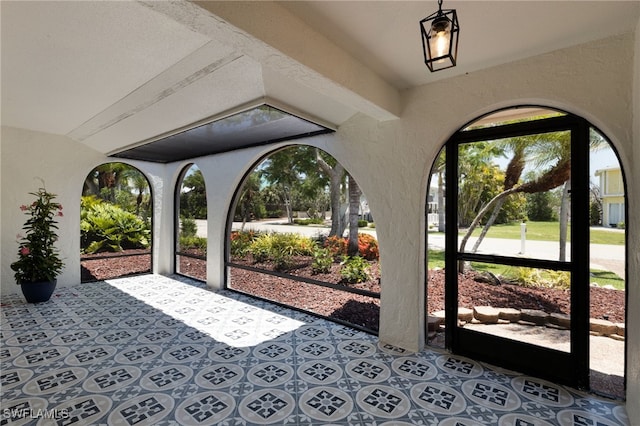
x=193, y=195
x=336, y=174
x=595, y=205
x=303, y=178
x=543, y=206
x=284, y=170
x=250, y=206
x=120, y=184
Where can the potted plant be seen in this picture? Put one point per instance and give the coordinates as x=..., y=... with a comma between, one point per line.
x=39, y=262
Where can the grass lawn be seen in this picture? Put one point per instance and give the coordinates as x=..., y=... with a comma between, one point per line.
x=547, y=231
x=436, y=260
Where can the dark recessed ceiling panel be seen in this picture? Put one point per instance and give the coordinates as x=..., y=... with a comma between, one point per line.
x=258, y=126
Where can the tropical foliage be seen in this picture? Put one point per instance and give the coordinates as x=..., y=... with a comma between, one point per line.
x=108, y=227
x=354, y=269
x=282, y=248
x=120, y=184
x=193, y=197
x=115, y=210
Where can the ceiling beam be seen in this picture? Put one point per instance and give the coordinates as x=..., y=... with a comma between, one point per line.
x=278, y=40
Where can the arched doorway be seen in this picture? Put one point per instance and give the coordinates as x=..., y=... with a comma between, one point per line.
x=115, y=223
x=521, y=262
x=300, y=233
x=191, y=224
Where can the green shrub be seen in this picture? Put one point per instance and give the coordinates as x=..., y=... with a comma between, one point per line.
x=322, y=261
x=193, y=243
x=274, y=213
x=274, y=246
x=309, y=221
x=261, y=247
x=188, y=227
x=559, y=279
x=362, y=223
x=241, y=241
x=107, y=227
x=282, y=261
x=354, y=270
x=532, y=277
x=293, y=244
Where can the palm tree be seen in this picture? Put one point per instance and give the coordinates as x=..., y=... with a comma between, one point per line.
x=354, y=210
x=108, y=177
x=249, y=197
x=141, y=185
x=557, y=147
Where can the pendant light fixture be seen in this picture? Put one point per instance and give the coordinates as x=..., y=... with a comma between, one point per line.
x=440, y=39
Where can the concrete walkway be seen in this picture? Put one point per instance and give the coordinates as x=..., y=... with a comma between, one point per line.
x=606, y=355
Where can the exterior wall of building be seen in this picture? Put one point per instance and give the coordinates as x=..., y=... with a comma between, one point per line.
x=391, y=160
x=613, y=185
x=613, y=201
x=613, y=212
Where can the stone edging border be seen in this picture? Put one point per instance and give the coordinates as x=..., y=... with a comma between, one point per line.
x=531, y=317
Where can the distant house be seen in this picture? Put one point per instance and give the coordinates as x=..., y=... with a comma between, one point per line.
x=612, y=192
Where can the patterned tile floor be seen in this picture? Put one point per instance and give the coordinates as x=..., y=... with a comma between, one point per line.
x=154, y=350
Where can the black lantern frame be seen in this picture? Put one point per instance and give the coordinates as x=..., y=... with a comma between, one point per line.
x=442, y=20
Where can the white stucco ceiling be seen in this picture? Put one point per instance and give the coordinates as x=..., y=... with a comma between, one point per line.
x=113, y=74
x=385, y=34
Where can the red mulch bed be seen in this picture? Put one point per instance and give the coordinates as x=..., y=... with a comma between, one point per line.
x=102, y=266
x=357, y=309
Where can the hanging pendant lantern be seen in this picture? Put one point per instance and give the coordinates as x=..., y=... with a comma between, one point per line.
x=440, y=39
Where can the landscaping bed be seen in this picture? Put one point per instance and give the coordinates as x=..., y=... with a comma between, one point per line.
x=363, y=310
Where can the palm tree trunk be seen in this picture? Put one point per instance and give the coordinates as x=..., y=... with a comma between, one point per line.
x=485, y=228
x=354, y=210
x=479, y=216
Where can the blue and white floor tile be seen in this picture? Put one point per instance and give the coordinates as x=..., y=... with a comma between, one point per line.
x=153, y=350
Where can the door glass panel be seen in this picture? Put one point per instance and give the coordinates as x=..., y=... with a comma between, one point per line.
x=514, y=202
x=529, y=305
x=513, y=195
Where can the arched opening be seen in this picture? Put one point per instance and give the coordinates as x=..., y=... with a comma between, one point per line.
x=115, y=223
x=509, y=282
x=301, y=234
x=191, y=224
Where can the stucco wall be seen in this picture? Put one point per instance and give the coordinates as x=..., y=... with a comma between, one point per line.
x=390, y=160
x=63, y=165
x=633, y=265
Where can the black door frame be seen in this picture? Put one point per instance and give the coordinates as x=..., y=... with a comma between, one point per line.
x=571, y=368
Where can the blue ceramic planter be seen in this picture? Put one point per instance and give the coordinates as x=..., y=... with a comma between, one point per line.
x=38, y=292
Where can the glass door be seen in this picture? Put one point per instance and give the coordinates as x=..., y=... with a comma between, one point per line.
x=520, y=201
